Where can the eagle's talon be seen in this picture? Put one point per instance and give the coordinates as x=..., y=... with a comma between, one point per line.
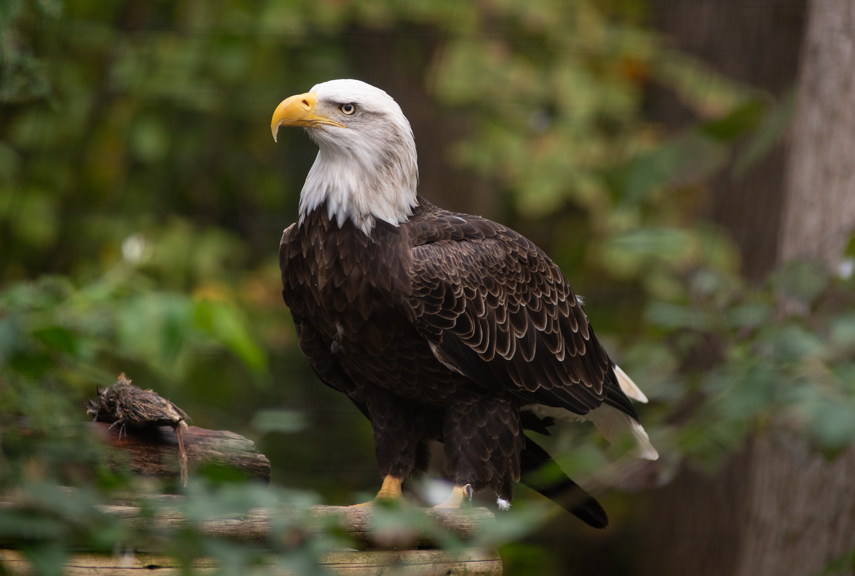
x=389, y=492
x=455, y=500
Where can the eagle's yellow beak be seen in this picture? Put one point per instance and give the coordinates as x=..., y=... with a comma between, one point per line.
x=299, y=110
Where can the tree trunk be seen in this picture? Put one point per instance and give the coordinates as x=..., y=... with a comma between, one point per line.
x=802, y=511
x=756, y=43
x=819, y=213
x=777, y=508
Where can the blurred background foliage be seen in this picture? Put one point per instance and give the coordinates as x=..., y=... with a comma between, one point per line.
x=142, y=200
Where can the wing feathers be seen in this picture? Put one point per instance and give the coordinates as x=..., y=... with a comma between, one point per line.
x=499, y=296
x=497, y=310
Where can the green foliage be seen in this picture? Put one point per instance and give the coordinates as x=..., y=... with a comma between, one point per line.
x=768, y=368
x=142, y=200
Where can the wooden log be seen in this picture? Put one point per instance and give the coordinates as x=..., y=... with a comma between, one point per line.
x=153, y=451
x=258, y=525
x=356, y=522
x=471, y=562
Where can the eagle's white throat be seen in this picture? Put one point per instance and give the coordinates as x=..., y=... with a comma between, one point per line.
x=368, y=170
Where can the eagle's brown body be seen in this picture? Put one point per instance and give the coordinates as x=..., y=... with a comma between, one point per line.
x=442, y=328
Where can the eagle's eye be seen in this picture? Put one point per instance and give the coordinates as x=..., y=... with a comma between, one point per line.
x=348, y=109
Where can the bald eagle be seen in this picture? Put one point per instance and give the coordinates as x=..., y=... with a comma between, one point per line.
x=437, y=325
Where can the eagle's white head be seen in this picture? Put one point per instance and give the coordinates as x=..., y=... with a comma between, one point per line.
x=366, y=168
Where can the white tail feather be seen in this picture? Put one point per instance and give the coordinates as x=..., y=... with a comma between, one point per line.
x=628, y=386
x=611, y=422
x=614, y=424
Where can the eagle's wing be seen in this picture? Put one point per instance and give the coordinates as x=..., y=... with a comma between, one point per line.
x=495, y=308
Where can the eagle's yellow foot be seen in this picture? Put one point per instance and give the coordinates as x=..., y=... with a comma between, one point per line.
x=456, y=498
x=390, y=491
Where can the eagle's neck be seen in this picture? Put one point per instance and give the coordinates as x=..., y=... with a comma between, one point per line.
x=363, y=180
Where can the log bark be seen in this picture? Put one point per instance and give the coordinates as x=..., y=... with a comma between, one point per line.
x=388, y=563
x=356, y=522
x=154, y=451
x=375, y=555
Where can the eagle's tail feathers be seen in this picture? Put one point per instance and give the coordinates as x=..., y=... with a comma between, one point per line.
x=541, y=473
x=628, y=386
x=614, y=424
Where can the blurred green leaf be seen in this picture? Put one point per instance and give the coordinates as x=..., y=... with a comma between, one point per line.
x=737, y=123
x=10, y=163
x=225, y=324
x=803, y=279
x=285, y=421
x=32, y=365
x=698, y=86
x=751, y=392
x=46, y=558
x=677, y=316
x=843, y=330
x=794, y=342
x=149, y=140
x=57, y=338
x=832, y=420
x=770, y=130
x=751, y=314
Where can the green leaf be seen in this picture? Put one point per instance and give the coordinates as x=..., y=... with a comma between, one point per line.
x=58, y=338
x=226, y=325
x=156, y=326
x=149, y=140
x=769, y=131
x=749, y=315
x=676, y=316
x=738, y=122
x=802, y=279
x=10, y=163
x=831, y=420
x=843, y=330
x=47, y=558
x=795, y=342
x=285, y=421
x=697, y=86
x=751, y=393
x=32, y=364
x=666, y=243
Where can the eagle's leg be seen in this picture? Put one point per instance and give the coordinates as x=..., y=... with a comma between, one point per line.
x=390, y=491
x=398, y=433
x=483, y=438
